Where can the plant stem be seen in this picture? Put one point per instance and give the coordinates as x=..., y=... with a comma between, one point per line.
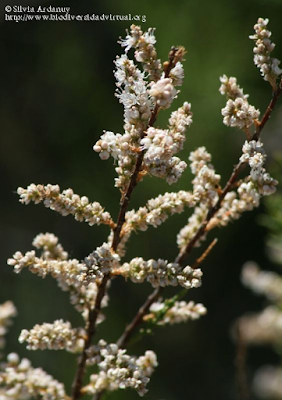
x=124, y=203
x=91, y=330
x=137, y=320
x=275, y=96
x=212, y=211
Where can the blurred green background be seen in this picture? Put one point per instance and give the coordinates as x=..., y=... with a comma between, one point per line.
x=57, y=96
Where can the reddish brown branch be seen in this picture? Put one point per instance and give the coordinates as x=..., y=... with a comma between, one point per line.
x=275, y=96
x=137, y=320
x=91, y=330
x=213, y=210
x=133, y=182
x=205, y=254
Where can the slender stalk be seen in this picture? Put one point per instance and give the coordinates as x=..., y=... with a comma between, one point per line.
x=91, y=330
x=133, y=182
x=212, y=211
x=275, y=96
x=137, y=320
x=204, y=255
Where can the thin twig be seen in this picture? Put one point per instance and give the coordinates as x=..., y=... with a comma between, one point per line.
x=123, y=340
x=91, y=330
x=205, y=254
x=212, y=211
x=275, y=96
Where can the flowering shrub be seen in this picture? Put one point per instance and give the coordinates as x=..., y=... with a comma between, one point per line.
x=144, y=89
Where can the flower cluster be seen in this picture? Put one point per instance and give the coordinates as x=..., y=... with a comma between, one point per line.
x=206, y=181
x=145, y=50
x=237, y=112
x=158, y=210
x=70, y=274
x=65, y=203
x=142, y=101
x=181, y=311
x=163, y=92
x=247, y=196
x=269, y=67
x=254, y=155
x=160, y=273
x=262, y=328
x=7, y=311
x=191, y=228
x=118, y=370
x=230, y=88
x=100, y=262
x=262, y=282
x=57, y=336
x=51, y=248
x=170, y=170
x=133, y=94
x=19, y=380
x=161, y=145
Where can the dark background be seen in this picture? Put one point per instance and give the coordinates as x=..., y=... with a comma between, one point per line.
x=56, y=99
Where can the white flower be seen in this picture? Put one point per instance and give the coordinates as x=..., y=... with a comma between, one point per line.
x=118, y=370
x=56, y=336
x=268, y=66
x=163, y=92
x=238, y=113
x=160, y=273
